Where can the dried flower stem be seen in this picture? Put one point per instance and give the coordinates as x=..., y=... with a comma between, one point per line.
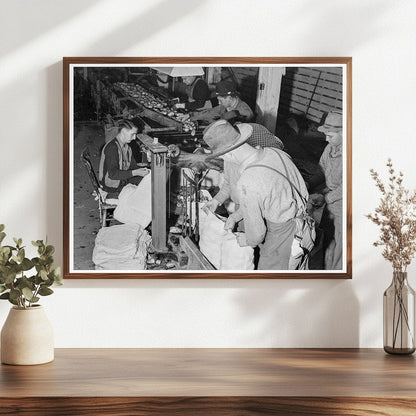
x=396, y=216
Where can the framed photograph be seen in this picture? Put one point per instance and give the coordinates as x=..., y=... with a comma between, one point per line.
x=212, y=168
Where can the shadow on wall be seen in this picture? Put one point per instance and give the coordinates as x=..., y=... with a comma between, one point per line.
x=300, y=313
x=138, y=28
x=338, y=18
x=41, y=16
x=224, y=313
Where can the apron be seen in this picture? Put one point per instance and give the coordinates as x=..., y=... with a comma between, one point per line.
x=275, y=251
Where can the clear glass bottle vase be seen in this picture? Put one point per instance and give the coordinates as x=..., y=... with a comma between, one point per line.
x=399, y=316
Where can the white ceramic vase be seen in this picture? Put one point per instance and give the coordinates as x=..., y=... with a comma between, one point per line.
x=27, y=337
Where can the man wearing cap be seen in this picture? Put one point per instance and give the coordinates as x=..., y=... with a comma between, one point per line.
x=268, y=202
x=230, y=105
x=331, y=164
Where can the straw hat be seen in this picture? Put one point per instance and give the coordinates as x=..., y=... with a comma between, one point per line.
x=222, y=137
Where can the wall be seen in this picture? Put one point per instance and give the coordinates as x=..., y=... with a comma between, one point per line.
x=378, y=34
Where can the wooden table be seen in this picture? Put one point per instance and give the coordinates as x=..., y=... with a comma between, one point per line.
x=212, y=382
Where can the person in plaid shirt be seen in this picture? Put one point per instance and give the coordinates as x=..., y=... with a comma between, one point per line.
x=262, y=137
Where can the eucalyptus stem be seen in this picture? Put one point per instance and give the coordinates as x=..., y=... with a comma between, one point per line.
x=24, y=279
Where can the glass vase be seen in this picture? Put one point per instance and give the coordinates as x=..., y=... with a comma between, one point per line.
x=399, y=316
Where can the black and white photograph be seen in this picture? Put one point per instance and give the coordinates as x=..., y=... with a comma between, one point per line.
x=207, y=168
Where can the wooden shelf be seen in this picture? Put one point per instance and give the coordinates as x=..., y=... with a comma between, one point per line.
x=212, y=382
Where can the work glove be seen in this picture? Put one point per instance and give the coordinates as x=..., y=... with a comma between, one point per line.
x=211, y=205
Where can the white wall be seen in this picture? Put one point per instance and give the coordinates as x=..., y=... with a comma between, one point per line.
x=34, y=36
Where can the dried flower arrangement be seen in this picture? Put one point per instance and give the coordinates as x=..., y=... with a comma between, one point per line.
x=396, y=216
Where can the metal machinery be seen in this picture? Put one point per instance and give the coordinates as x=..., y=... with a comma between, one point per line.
x=159, y=155
x=168, y=133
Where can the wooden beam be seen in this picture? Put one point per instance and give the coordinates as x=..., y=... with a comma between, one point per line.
x=213, y=75
x=268, y=95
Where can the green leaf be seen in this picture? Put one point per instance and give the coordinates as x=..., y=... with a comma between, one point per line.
x=45, y=291
x=49, y=250
x=21, y=255
x=15, y=294
x=14, y=302
x=27, y=293
x=5, y=295
x=43, y=274
x=38, y=280
x=5, y=254
x=37, y=243
x=8, y=276
x=2, y=236
x=2, y=288
x=18, y=242
x=24, y=282
x=2, y=227
x=57, y=276
x=26, y=264
x=46, y=260
x=5, y=250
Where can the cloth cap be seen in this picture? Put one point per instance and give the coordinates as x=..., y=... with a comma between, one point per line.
x=222, y=137
x=224, y=88
x=333, y=122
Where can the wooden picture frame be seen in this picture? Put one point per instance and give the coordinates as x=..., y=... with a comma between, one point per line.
x=289, y=93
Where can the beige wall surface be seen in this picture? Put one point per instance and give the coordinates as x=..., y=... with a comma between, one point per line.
x=380, y=35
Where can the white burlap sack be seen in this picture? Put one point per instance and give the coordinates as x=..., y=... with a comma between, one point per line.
x=121, y=247
x=135, y=203
x=220, y=247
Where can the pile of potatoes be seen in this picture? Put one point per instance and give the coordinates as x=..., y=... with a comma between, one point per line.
x=148, y=100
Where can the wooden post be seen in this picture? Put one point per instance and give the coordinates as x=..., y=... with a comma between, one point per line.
x=213, y=75
x=268, y=95
x=159, y=152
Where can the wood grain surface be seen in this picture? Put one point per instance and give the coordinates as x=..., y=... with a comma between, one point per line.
x=212, y=382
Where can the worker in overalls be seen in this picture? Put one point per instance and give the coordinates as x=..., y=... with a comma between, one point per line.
x=271, y=193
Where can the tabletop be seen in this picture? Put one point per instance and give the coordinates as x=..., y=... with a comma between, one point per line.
x=232, y=381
